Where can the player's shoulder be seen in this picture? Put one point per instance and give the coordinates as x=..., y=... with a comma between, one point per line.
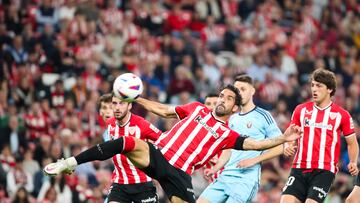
x=137, y=119
x=264, y=114
x=341, y=110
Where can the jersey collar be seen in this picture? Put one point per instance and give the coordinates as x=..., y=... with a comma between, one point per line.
x=321, y=109
x=125, y=122
x=216, y=118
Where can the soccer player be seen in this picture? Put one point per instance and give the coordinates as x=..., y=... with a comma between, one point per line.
x=129, y=184
x=199, y=135
x=210, y=101
x=354, y=196
x=105, y=111
x=318, y=150
x=241, y=184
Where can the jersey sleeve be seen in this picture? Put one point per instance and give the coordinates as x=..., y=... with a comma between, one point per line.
x=347, y=124
x=149, y=131
x=295, y=118
x=183, y=111
x=235, y=141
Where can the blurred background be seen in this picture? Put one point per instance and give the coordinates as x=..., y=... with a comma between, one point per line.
x=58, y=56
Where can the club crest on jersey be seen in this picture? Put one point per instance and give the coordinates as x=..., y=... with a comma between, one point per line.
x=308, y=112
x=132, y=130
x=333, y=115
x=249, y=125
x=308, y=123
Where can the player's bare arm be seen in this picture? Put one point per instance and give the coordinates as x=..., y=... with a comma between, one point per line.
x=223, y=159
x=292, y=133
x=271, y=153
x=157, y=108
x=353, y=151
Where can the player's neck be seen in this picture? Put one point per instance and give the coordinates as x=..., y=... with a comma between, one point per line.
x=221, y=118
x=324, y=103
x=247, y=107
x=125, y=120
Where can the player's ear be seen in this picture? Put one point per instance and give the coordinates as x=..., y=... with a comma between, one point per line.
x=130, y=106
x=253, y=90
x=235, y=108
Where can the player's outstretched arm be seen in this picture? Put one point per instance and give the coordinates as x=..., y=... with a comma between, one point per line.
x=353, y=151
x=271, y=153
x=157, y=108
x=292, y=133
x=223, y=159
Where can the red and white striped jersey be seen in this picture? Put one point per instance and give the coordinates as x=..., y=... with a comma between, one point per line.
x=196, y=138
x=319, y=147
x=125, y=172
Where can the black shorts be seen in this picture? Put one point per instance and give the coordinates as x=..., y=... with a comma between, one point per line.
x=137, y=193
x=174, y=182
x=358, y=180
x=309, y=183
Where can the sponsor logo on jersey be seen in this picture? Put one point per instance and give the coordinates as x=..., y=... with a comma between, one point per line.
x=308, y=123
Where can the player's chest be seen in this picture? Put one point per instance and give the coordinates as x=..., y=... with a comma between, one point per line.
x=116, y=131
x=249, y=127
x=320, y=120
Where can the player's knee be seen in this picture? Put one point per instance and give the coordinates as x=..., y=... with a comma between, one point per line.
x=349, y=200
x=139, y=153
x=202, y=200
x=177, y=200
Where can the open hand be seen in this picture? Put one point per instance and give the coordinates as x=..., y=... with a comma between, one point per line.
x=209, y=174
x=289, y=149
x=292, y=133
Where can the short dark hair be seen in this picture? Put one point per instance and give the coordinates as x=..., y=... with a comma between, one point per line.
x=107, y=98
x=244, y=78
x=236, y=91
x=211, y=95
x=325, y=77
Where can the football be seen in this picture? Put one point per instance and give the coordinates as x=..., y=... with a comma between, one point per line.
x=127, y=87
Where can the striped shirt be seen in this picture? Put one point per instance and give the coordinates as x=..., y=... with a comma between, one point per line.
x=319, y=147
x=196, y=138
x=125, y=172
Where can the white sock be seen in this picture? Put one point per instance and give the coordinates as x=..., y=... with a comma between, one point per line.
x=71, y=161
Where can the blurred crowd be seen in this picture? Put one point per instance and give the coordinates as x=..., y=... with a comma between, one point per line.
x=58, y=56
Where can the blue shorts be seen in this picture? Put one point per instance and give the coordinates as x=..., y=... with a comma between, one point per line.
x=234, y=192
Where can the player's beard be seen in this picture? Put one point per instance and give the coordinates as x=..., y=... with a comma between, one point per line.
x=221, y=111
x=119, y=117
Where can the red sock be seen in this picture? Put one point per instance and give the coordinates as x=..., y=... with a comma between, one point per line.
x=129, y=144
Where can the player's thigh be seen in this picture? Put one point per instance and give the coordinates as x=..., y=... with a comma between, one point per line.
x=140, y=155
x=214, y=193
x=295, y=189
x=289, y=199
x=319, y=185
x=242, y=192
x=354, y=196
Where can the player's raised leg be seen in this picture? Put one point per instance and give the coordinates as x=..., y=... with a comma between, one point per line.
x=135, y=149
